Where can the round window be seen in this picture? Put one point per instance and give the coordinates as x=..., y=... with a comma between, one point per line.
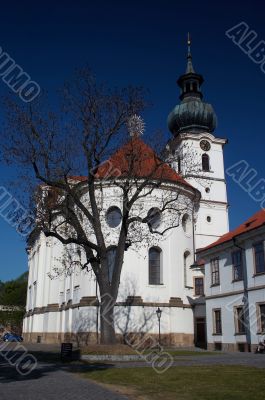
x=113, y=217
x=154, y=218
x=209, y=219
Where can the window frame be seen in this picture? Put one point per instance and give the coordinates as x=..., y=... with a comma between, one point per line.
x=205, y=157
x=215, y=282
x=254, y=257
x=201, y=286
x=109, y=220
x=239, y=323
x=154, y=216
x=186, y=223
x=186, y=255
x=34, y=295
x=234, y=265
x=150, y=273
x=259, y=319
x=111, y=249
x=215, y=332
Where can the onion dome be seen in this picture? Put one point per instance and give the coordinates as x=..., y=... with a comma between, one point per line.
x=192, y=114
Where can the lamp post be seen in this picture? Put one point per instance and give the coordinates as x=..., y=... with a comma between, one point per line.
x=159, y=313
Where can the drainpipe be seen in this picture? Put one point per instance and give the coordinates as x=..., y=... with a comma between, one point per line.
x=245, y=296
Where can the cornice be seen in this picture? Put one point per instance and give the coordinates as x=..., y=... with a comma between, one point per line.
x=91, y=301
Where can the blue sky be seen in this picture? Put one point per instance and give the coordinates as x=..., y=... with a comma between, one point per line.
x=144, y=43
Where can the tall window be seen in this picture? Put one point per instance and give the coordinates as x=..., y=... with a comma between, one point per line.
x=76, y=294
x=187, y=264
x=155, y=266
x=217, y=319
x=111, y=253
x=261, y=316
x=259, y=257
x=237, y=265
x=199, y=287
x=187, y=224
x=179, y=165
x=205, y=162
x=240, y=320
x=30, y=298
x=34, y=294
x=215, y=271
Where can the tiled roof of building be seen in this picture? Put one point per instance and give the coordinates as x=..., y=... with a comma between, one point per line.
x=254, y=222
x=136, y=159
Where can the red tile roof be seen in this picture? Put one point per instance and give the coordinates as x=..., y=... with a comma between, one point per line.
x=254, y=222
x=137, y=160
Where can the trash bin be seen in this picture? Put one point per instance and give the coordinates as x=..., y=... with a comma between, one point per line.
x=66, y=351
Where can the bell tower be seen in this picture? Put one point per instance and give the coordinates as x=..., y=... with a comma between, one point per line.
x=197, y=154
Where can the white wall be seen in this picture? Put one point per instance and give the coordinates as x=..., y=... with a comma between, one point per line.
x=134, y=282
x=231, y=293
x=214, y=203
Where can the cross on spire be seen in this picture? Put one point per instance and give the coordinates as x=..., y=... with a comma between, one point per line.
x=189, y=69
x=189, y=42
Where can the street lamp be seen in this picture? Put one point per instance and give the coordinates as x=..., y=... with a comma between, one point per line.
x=159, y=313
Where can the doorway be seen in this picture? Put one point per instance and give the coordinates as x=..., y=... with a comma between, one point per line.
x=200, y=333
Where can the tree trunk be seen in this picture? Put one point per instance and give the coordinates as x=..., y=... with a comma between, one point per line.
x=107, y=320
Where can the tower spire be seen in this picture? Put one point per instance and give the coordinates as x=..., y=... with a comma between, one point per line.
x=189, y=69
x=192, y=114
x=189, y=42
x=190, y=82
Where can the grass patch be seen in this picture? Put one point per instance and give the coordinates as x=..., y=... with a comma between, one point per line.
x=186, y=383
x=191, y=353
x=121, y=349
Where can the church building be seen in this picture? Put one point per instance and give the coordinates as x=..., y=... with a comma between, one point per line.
x=164, y=276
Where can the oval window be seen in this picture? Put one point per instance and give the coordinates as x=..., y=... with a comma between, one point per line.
x=209, y=219
x=154, y=218
x=113, y=217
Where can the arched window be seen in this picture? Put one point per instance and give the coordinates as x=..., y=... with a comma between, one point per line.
x=188, y=87
x=111, y=254
x=187, y=264
x=186, y=224
x=205, y=162
x=155, y=266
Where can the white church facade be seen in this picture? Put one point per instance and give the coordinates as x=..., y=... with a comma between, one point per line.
x=164, y=275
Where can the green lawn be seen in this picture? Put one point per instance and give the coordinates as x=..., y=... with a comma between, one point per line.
x=187, y=383
x=191, y=353
x=126, y=350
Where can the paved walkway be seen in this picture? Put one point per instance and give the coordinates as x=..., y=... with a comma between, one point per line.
x=49, y=382
x=56, y=381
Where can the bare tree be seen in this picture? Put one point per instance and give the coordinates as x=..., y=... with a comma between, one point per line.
x=63, y=153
